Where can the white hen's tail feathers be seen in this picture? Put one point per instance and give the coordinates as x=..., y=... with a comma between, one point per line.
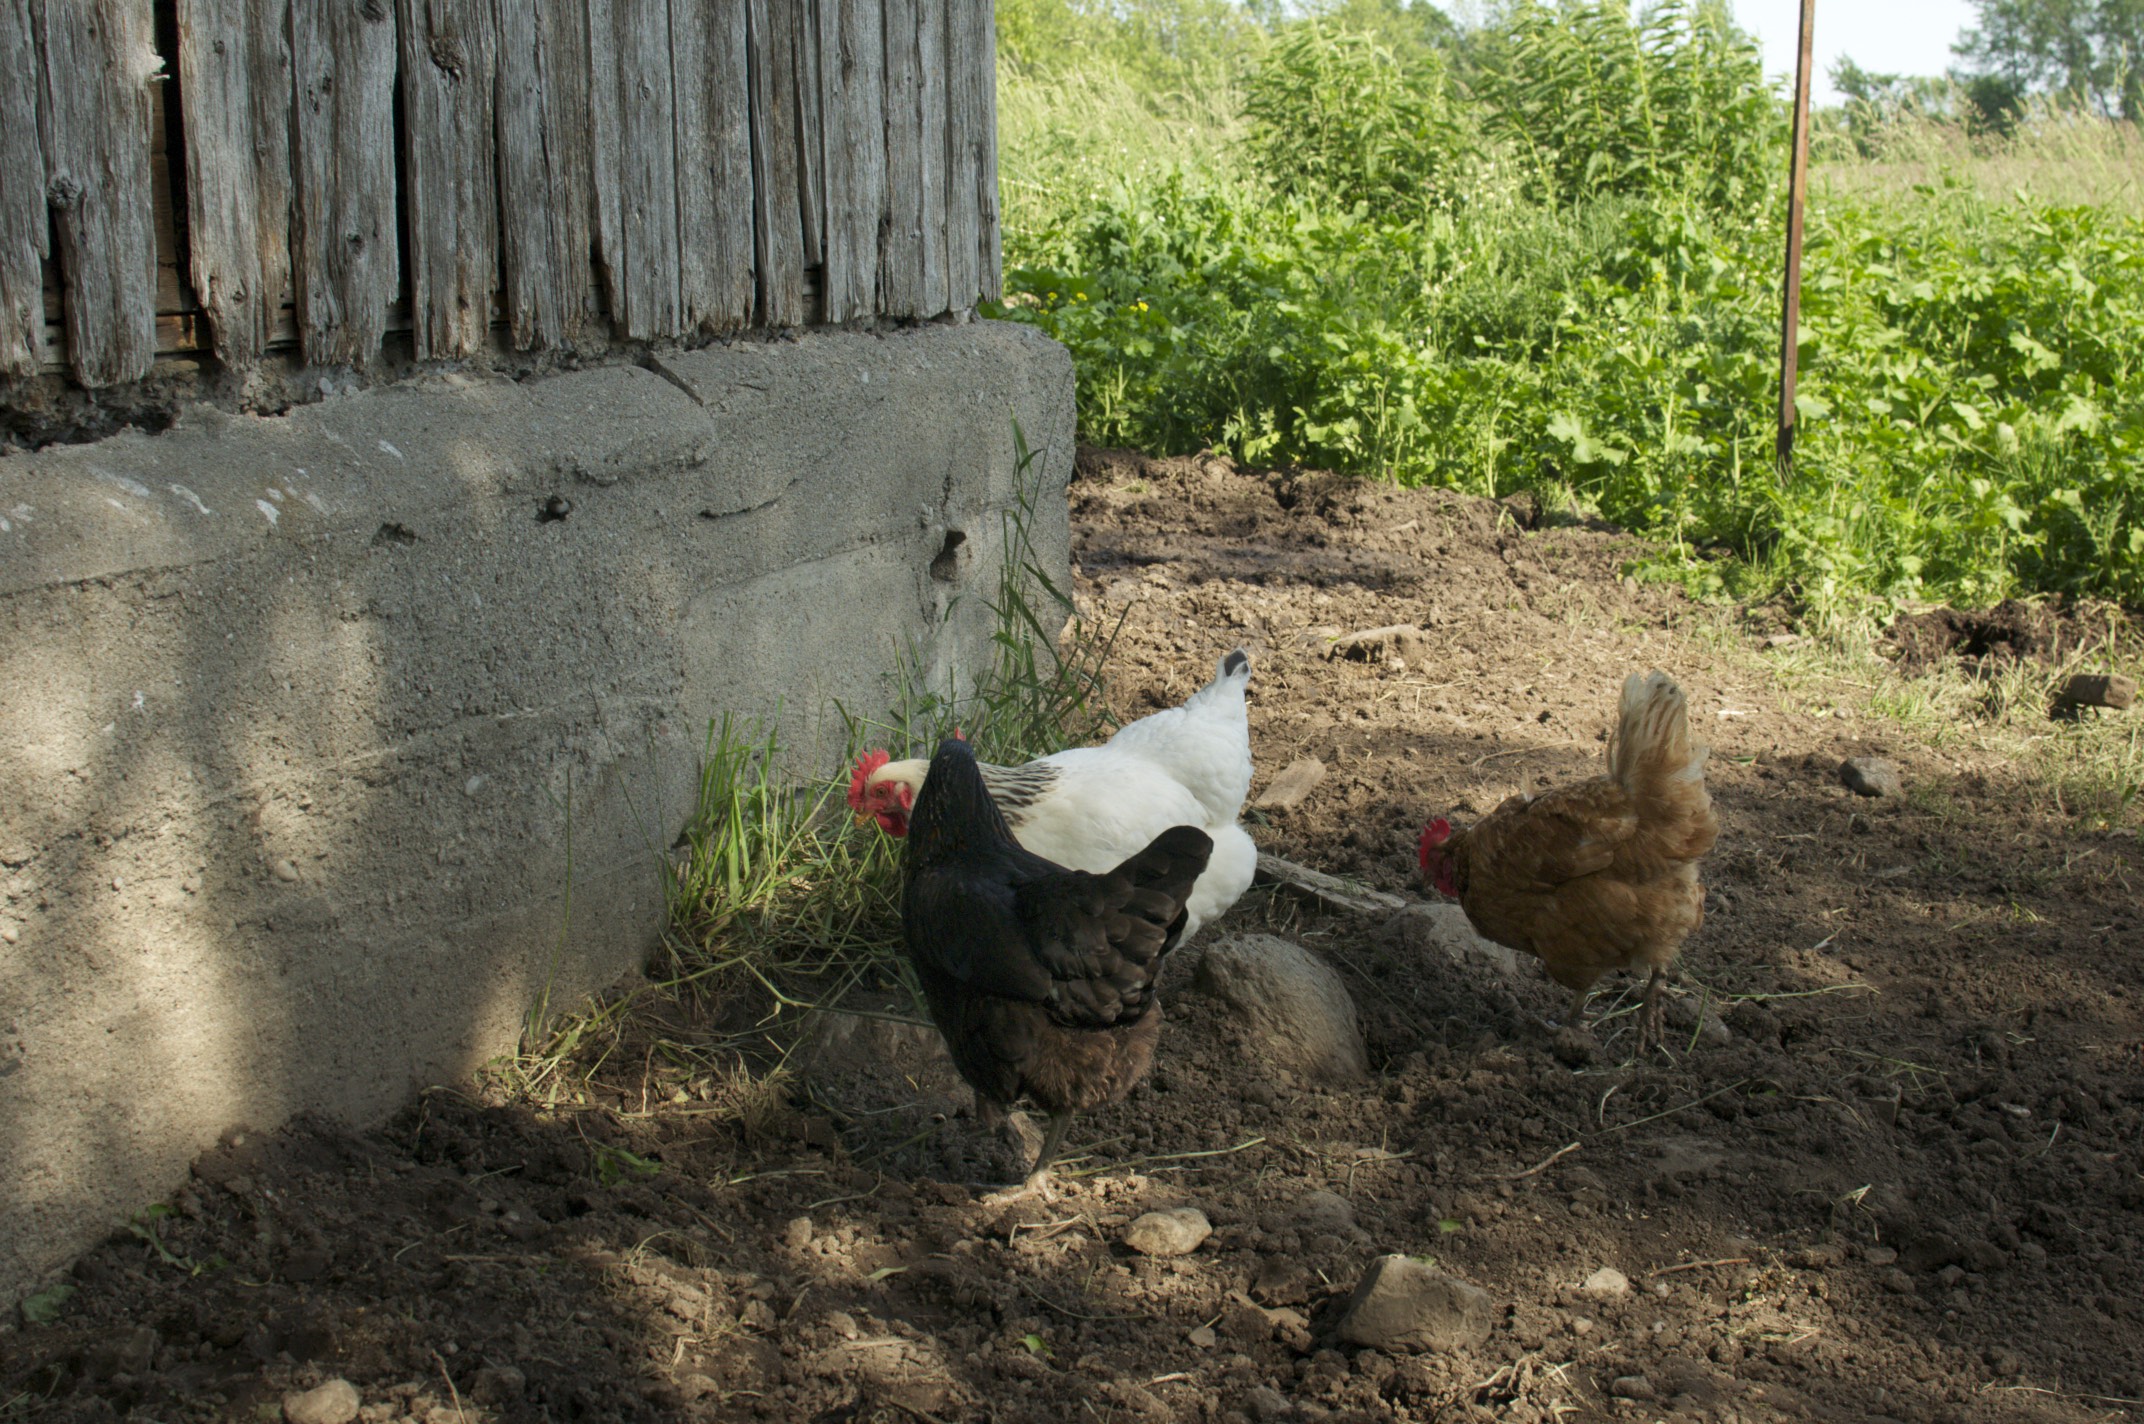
x=1205, y=744
x=1654, y=759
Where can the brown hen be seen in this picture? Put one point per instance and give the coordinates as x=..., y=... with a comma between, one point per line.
x=1601, y=874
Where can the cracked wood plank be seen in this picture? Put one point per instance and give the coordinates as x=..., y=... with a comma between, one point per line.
x=23, y=221
x=546, y=177
x=852, y=76
x=98, y=60
x=235, y=90
x=714, y=146
x=449, y=73
x=348, y=265
x=635, y=156
x=932, y=299
x=963, y=143
x=900, y=274
x=811, y=137
x=777, y=218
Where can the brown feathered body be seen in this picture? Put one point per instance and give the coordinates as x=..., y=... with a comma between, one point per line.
x=1041, y=979
x=1601, y=874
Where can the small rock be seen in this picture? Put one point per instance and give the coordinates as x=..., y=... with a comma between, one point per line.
x=1265, y=1404
x=1202, y=1337
x=1175, y=1232
x=287, y=870
x=1782, y=640
x=1631, y=1387
x=1296, y=781
x=1821, y=1256
x=1581, y=1325
x=796, y=1232
x=1396, y=643
x=1607, y=1282
x=1870, y=776
x=2098, y=690
x=335, y=1402
x=1402, y=1304
x=1291, y=1008
x=1879, y=1255
x=841, y=1323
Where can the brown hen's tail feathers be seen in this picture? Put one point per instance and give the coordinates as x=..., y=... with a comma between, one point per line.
x=1654, y=759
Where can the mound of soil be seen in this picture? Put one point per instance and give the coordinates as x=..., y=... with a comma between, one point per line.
x=1887, y=1169
x=2012, y=631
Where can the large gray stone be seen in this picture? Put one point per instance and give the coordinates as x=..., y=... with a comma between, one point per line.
x=1290, y=1007
x=313, y=721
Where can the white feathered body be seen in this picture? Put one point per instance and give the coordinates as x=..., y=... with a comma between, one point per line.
x=1183, y=766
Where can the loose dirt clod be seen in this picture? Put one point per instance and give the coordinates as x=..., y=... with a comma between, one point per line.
x=1404, y=1305
x=1870, y=776
x=1174, y=1232
x=1296, y=781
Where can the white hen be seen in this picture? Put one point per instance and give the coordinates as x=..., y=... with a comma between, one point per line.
x=1088, y=808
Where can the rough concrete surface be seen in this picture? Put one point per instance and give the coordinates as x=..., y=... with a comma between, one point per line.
x=311, y=722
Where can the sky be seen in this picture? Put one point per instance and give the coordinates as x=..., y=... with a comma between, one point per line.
x=1887, y=36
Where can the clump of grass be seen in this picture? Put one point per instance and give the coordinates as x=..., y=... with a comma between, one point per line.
x=777, y=902
x=776, y=888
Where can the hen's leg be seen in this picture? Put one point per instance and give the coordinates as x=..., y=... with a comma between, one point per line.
x=1052, y=1143
x=1652, y=1019
x=1577, y=1013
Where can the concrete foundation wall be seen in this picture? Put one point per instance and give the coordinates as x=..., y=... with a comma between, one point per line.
x=306, y=719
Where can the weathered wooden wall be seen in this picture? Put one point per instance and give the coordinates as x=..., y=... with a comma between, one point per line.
x=241, y=176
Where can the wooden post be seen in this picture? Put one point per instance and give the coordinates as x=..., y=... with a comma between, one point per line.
x=1797, y=191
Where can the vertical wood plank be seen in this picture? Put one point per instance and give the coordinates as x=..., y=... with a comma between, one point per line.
x=546, y=186
x=900, y=271
x=348, y=270
x=449, y=77
x=852, y=77
x=992, y=257
x=635, y=163
x=811, y=135
x=930, y=101
x=23, y=222
x=234, y=85
x=777, y=222
x=99, y=60
x=964, y=115
x=709, y=57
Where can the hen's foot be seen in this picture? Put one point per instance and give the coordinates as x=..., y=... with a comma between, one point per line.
x=1037, y=1186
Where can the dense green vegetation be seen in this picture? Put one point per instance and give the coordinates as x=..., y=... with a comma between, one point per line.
x=1544, y=253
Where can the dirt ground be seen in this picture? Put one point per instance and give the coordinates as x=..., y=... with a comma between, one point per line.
x=1888, y=1168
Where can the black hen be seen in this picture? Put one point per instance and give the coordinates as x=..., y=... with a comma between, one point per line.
x=1040, y=978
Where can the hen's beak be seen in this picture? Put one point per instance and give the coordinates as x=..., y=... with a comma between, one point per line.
x=863, y=818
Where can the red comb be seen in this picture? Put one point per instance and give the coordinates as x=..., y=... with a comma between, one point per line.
x=1436, y=833
x=865, y=765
